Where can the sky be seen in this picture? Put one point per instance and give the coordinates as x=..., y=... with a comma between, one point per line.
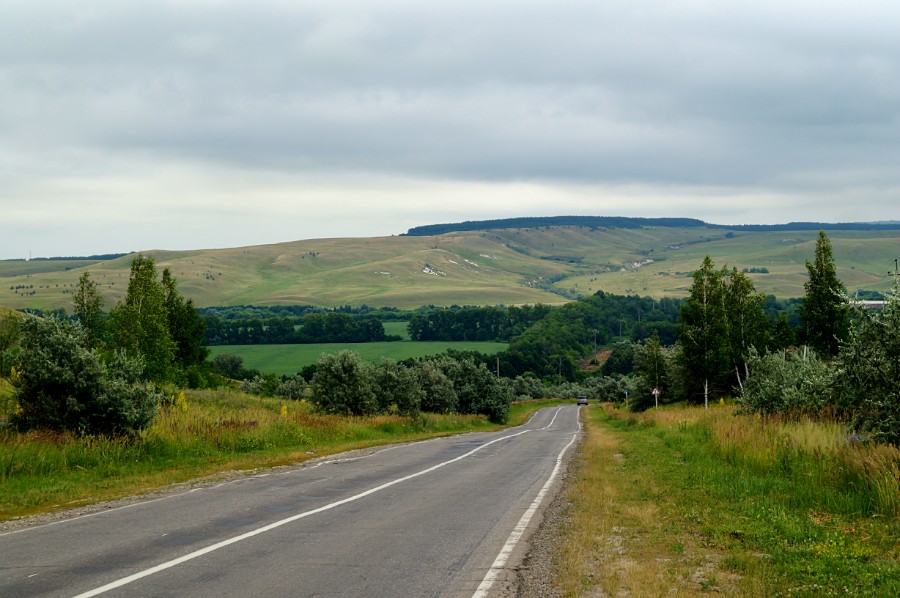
x=129, y=126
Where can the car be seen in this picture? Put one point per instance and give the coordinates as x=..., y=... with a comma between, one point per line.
x=582, y=400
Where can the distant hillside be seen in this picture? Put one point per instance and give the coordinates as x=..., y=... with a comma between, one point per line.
x=623, y=222
x=503, y=265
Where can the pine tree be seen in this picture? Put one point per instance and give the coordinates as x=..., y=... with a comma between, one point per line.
x=825, y=314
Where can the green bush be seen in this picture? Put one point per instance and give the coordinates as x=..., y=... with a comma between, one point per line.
x=786, y=383
x=342, y=384
x=61, y=384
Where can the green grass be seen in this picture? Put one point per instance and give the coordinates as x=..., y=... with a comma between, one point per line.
x=199, y=434
x=686, y=501
x=287, y=360
x=479, y=268
x=400, y=329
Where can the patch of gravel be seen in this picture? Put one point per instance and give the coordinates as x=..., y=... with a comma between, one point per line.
x=536, y=573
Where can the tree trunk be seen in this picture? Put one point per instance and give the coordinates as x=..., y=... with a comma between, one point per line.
x=706, y=393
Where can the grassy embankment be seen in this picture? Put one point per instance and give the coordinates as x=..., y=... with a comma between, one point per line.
x=201, y=434
x=688, y=502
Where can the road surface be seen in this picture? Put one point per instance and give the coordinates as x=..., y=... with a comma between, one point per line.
x=434, y=518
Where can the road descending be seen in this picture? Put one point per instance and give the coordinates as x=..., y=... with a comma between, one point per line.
x=433, y=518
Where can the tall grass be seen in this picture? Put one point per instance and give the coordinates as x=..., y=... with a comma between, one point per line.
x=688, y=501
x=198, y=433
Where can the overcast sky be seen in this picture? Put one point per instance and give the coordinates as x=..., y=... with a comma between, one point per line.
x=128, y=125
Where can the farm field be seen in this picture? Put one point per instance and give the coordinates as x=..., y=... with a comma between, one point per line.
x=287, y=360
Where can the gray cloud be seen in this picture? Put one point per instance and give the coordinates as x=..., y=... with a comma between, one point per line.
x=746, y=100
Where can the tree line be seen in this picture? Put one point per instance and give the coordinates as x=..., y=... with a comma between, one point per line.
x=331, y=327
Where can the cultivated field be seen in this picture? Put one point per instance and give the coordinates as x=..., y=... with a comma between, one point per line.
x=286, y=360
x=510, y=266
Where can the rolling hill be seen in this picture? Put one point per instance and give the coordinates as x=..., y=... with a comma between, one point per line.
x=536, y=264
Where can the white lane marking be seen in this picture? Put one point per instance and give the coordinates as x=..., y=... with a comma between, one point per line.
x=198, y=553
x=558, y=409
x=517, y=533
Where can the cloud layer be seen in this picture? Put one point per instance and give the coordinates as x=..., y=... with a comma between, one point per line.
x=129, y=125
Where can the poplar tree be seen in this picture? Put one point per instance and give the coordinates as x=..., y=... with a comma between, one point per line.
x=825, y=314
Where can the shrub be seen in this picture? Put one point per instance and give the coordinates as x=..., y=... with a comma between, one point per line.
x=867, y=371
x=786, y=383
x=342, y=384
x=439, y=395
x=397, y=387
x=61, y=384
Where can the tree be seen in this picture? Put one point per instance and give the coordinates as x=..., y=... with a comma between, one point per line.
x=748, y=326
x=10, y=324
x=186, y=328
x=651, y=363
x=89, y=309
x=703, y=331
x=825, y=314
x=63, y=384
x=140, y=323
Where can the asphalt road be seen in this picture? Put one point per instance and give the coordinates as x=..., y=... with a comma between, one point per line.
x=434, y=518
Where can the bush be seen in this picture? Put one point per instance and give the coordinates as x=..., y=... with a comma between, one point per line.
x=397, y=387
x=61, y=384
x=786, y=383
x=867, y=371
x=342, y=384
x=439, y=394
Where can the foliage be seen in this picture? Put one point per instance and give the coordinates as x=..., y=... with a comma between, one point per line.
x=343, y=385
x=651, y=363
x=313, y=327
x=867, y=371
x=9, y=338
x=621, y=360
x=748, y=327
x=89, y=309
x=186, y=328
x=825, y=314
x=140, y=323
x=555, y=343
x=475, y=323
x=703, y=333
x=439, y=395
x=63, y=384
x=398, y=387
x=786, y=383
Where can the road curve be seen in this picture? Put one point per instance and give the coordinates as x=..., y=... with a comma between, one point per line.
x=433, y=518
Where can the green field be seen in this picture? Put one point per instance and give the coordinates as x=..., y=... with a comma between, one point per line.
x=397, y=328
x=509, y=267
x=286, y=360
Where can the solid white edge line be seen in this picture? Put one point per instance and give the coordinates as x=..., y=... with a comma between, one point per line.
x=198, y=553
x=500, y=562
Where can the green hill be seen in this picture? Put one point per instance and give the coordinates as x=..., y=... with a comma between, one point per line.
x=541, y=264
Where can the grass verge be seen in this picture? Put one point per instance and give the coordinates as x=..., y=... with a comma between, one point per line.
x=202, y=433
x=683, y=501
